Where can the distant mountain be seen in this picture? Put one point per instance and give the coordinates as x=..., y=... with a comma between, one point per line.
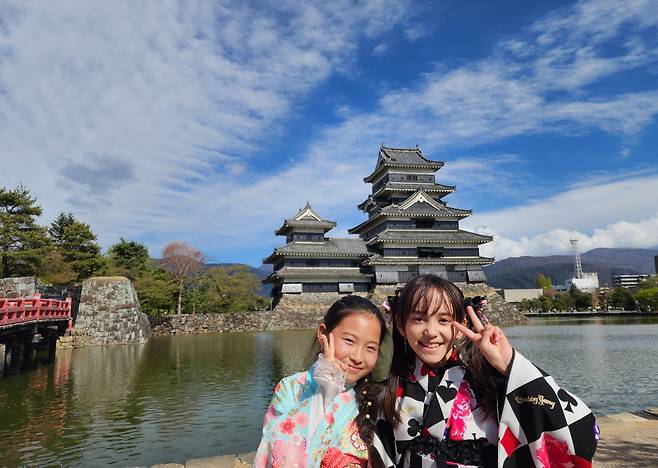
x=521, y=272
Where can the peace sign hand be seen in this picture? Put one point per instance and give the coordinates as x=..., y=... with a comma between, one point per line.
x=329, y=351
x=490, y=340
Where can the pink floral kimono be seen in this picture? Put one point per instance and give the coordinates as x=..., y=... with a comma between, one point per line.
x=310, y=423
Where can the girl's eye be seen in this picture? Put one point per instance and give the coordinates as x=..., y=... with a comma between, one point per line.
x=445, y=321
x=372, y=348
x=349, y=340
x=418, y=318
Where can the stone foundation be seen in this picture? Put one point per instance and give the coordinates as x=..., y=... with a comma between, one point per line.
x=310, y=302
x=498, y=311
x=251, y=321
x=109, y=313
x=22, y=286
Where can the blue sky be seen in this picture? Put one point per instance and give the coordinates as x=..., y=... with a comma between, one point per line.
x=211, y=122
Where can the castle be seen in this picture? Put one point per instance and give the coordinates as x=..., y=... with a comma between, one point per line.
x=410, y=230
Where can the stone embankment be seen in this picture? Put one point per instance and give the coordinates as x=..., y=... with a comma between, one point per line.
x=109, y=313
x=220, y=323
x=627, y=439
x=305, y=311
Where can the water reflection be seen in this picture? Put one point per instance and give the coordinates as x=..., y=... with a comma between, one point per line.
x=181, y=397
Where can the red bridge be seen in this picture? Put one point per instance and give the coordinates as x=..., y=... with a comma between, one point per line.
x=29, y=328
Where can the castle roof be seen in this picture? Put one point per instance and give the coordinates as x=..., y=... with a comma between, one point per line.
x=381, y=260
x=402, y=158
x=431, y=237
x=306, y=217
x=420, y=204
x=318, y=272
x=332, y=247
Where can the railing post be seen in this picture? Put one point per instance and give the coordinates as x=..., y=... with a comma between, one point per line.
x=37, y=304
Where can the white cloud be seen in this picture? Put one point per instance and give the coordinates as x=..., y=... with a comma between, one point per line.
x=133, y=115
x=615, y=214
x=380, y=49
x=622, y=234
x=141, y=118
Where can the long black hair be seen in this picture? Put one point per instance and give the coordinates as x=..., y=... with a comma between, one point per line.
x=417, y=296
x=365, y=389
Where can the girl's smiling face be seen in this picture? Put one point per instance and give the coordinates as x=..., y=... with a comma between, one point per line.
x=429, y=332
x=356, y=343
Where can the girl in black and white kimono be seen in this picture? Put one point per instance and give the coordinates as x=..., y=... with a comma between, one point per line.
x=459, y=395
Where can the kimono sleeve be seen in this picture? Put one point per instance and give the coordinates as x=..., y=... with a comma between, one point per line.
x=542, y=424
x=284, y=399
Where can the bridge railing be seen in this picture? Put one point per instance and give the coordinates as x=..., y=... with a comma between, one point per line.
x=33, y=309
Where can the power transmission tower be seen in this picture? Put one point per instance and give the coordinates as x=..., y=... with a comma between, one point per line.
x=577, y=266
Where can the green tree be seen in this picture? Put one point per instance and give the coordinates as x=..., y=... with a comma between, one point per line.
x=564, y=302
x=22, y=242
x=76, y=243
x=157, y=290
x=543, y=282
x=228, y=289
x=55, y=270
x=128, y=258
x=647, y=294
x=581, y=300
x=621, y=298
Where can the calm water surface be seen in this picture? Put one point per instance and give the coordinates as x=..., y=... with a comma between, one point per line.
x=182, y=397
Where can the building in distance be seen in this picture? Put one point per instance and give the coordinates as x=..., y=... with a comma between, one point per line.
x=628, y=281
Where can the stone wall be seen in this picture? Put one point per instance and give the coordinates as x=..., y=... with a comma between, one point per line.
x=109, y=313
x=305, y=311
x=251, y=321
x=310, y=302
x=22, y=286
x=498, y=311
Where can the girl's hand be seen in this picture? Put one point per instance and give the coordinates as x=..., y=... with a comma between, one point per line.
x=329, y=351
x=490, y=340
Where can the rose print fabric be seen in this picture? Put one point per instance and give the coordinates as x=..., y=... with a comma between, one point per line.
x=310, y=423
x=538, y=424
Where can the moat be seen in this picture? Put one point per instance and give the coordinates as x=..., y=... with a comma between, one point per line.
x=180, y=397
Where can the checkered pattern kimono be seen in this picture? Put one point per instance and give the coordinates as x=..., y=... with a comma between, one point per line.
x=539, y=424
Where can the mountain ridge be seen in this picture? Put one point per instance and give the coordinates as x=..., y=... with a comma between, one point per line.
x=521, y=272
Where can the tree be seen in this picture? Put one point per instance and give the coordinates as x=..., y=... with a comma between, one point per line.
x=182, y=261
x=22, y=242
x=543, y=282
x=228, y=289
x=128, y=258
x=56, y=270
x=156, y=289
x=647, y=299
x=75, y=242
x=621, y=298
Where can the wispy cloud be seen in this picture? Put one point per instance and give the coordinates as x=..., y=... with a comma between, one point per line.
x=619, y=213
x=158, y=106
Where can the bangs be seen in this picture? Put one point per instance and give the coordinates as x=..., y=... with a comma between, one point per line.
x=430, y=302
x=428, y=294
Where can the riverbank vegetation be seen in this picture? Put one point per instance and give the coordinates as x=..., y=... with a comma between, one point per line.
x=643, y=298
x=65, y=253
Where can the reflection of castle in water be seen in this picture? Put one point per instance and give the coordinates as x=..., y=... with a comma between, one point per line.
x=410, y=230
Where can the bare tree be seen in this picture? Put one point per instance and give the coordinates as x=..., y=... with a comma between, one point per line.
x=182, y=260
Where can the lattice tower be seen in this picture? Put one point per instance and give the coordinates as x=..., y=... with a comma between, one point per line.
x=577, y=266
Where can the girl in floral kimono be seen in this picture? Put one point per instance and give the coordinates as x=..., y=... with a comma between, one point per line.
x=459, y=395
x=323, y=417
